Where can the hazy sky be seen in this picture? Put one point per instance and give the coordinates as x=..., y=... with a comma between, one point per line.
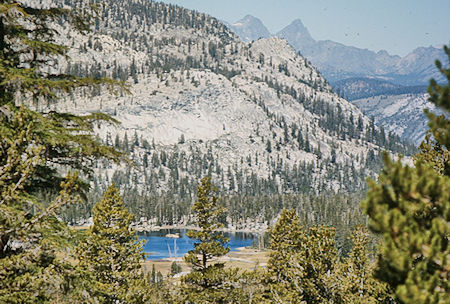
x=398, y=26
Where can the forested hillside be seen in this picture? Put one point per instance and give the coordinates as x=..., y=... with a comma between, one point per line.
x=257, y=117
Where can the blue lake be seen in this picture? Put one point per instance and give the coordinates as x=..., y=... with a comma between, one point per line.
x=158, y=246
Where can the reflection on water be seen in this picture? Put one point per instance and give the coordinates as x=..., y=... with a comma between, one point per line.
x=158, y=246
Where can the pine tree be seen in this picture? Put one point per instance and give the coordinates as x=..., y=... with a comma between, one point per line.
x=433, y=153
x=112, y=253
x=208, y=213
x=27, y=48
x=358, y=283
x=285, y=241
x=410, y=208
x=175, y=268
x=30, y=233
x=34, y=147
x=318, y=262
x=440, y=96
x=303, y=265
x=209, y=281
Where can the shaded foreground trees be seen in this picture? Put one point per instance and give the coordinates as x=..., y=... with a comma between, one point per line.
x=305, y=267
x=30, y=236
x=34, y=149
x=358, y=283
x=410, y=208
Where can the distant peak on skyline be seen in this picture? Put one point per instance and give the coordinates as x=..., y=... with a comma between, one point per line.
x=250, y=18
x=250, y=28
x=298, y=33
x=298, y=24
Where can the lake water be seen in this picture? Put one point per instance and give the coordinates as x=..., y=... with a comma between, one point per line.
x=158, y=246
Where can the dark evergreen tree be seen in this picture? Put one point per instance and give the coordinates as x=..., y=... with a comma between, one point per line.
x=112, y=253
x=357, y=281
x=34, y=147
x=303, y=265
x=208, y=282
x=410, y=208
x=285, y=239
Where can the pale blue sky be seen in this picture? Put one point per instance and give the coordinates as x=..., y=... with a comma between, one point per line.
x=398, y=26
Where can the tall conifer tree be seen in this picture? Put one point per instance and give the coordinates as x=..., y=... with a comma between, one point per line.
x=112, y=253
x=303, y=263
x=285, y=241
x=33, y=146
x=357, y=279
x=209, y=281
x=410, y=208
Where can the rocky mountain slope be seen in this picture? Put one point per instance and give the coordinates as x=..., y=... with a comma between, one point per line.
x=401, y=114
x=396, y=108
x=357, y=88
x=360, y=74
x=257, y=117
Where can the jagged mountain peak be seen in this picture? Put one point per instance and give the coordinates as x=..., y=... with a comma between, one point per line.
x=420, y=62
x=424, y=54
x=250, y=28
x=248, y=19
x=297, y=34
x=298, y=25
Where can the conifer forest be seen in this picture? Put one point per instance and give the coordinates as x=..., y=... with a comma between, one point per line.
x=122, y=117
